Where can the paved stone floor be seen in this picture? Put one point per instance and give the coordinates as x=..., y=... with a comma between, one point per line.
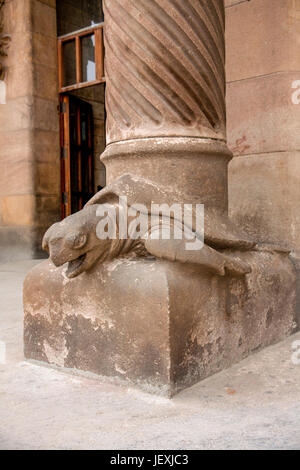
x=253, y=405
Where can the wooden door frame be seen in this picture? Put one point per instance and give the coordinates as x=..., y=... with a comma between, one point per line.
x=65, y=156
x=65, y=146
x=77, y=36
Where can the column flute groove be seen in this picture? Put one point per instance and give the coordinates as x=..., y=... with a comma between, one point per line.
x=167, y=61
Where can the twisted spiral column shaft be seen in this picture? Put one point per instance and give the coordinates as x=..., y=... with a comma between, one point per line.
x=165, y=68
x=165, y=94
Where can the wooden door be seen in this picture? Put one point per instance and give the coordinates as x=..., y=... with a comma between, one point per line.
x=76, y=119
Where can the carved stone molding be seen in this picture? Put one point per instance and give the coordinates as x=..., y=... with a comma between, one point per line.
x=165, y=95
x=4, y=40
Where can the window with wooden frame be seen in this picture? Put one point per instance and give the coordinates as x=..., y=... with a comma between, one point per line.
x=81, y=58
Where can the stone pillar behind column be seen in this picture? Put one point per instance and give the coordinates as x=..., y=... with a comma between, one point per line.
x=29, y=129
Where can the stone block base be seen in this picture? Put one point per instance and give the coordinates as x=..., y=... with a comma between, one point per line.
x=160, y=326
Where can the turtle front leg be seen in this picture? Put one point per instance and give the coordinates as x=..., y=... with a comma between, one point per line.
x=175, y=250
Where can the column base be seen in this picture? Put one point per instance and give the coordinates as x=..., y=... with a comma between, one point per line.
x=203, y=164
x=160, y=326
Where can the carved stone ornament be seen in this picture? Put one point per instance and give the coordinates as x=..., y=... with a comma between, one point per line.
x=74, y=240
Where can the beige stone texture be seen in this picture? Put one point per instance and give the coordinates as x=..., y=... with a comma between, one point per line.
x=19, y=79
x=20, y=46
x=20, y=176
x=46, y=180
x=264, y=194
x=16, y=115
x=262, y=41
x=41, y=44
x=262, y=38
x=18, y=210
x=161, y=326
x=17, y=16
x=43, y=19
x=261, y=115
x=47, y=210
x=29, y=125
x=17, y=147
x=148, y=310
x=46, y=148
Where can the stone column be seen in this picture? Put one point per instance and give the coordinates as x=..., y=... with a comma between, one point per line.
x=165, y=95
x=160, y=322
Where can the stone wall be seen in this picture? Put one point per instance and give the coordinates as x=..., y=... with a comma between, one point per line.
x=29, y=129
x=30, y=181
x=263, y=61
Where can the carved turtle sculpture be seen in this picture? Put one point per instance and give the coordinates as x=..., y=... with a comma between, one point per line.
x=75, y=240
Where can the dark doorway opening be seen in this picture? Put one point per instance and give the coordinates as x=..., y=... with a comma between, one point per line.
x=82, y=97
x=76, y=154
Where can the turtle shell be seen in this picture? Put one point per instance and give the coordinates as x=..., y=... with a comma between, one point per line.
x=219, y=230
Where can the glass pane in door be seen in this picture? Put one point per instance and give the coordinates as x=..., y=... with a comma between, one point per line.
x=69, y=63
x=88, y=58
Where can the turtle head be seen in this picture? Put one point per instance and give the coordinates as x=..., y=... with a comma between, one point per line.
x=74, y=241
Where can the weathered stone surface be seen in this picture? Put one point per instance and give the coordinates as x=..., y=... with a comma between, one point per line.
x=77, y=241
x=264, y=193
x=21, y=241
x=46, y=176
x=16, y=116
x=40, y=50
x=17, y=209
x=160, y=325
x=160, y=317
x=29, y=128
x=262, y=38
x=202, y=165
x=43, y=18
x=262, y=117
x=18, y=16
x=47, y=212
x=20, y=174
x=46, y=149
x=164, y=69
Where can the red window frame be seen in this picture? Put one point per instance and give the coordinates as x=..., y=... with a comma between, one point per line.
x=77, y=36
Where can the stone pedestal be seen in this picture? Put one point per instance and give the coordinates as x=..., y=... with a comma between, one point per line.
x=162, y=325
x=155, y=324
